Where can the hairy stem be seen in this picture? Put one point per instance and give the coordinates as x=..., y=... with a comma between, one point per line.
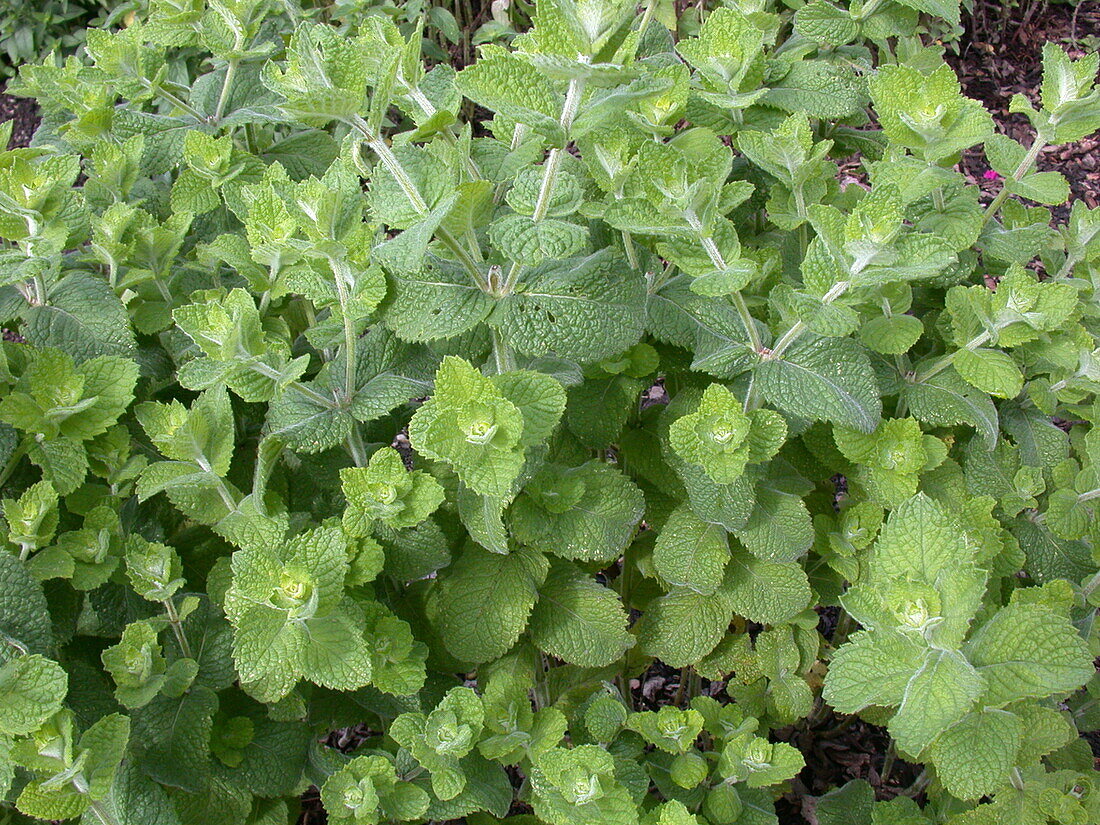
x=13, y=461
x=227, y=87
x=269, y=372
x=799, y=327
x=715, y=255
x=947, y=360
x=549, y=172
x=1028, y=161
x=503, y=355
x=177, y=627
x=412, y=193
x=356, y=447
x=342, y=273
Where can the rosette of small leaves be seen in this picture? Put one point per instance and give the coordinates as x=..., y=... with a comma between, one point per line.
x=367, y=791
x=950, y=686
x=440, y=739
x=139, y=669
x=721, y=438
x=154, y=569
x=70, y=774
x=291, y=618
x=758, y=762
x=59, y=408
x=889, y=461
x=31, y=519
x=469, y=424
x=671, y=729
x=578, y=785
x=385, y=491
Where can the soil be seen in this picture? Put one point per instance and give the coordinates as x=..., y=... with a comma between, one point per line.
x=997, y=59
x=25, y=114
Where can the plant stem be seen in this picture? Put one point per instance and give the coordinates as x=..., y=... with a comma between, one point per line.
x=356, y=447
x=631, y=253
x=1016, y=778
x=105, y=816
x=681, y=689
x=1090, y=586
x=1028, y=161
x=164, y=94
x=948, y=359
x=738, y=300
x=311, y=394
x=650, y=8
x=342, y=273
x=177, y=627
x=549, y=172
x=888, y=762
x=503, y=356
x=227, y=85
x=223, y=491
x=1067, y=267
x=13, y=462
x=408, y=186
x=842, y=629
x=918, y=786
x=796, y=330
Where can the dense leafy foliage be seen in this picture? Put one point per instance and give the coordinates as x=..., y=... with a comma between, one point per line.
x=29, y=32
x=332, y=408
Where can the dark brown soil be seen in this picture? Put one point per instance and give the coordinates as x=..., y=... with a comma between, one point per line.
x=25, y=114
x=999, y=58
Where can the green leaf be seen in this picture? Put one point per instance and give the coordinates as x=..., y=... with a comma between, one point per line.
x=469, y=424
x=584, y=513
x=945, y=400
x=24, y=613
x=938, y=694
x=823, y=380
x=722, y=439
x=872, y=669
x=527, y=241
x=33, y=688
x=539, y=397
x=974, y=756
x=83, y=317
x=991, y=371
x=820, y=89
x=484, y=599
x=683, y=626
x=671, y=729
x=439, y=302
x=583, y=309
x=691, y=553
x=779, y=528
x=765, y=591
x=173, y=738
x=1055, y=659
x=578, y=620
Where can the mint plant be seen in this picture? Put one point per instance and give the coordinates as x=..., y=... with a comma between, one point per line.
x=353, y=391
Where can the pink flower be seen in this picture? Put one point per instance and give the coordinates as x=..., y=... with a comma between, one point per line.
x=991, y=175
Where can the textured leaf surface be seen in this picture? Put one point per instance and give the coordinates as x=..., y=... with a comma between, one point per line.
x=485, y=599
x=1053, y=659
x=578, y=620
x=824, y=380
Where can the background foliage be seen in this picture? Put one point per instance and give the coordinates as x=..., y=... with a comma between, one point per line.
x=349, y=390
